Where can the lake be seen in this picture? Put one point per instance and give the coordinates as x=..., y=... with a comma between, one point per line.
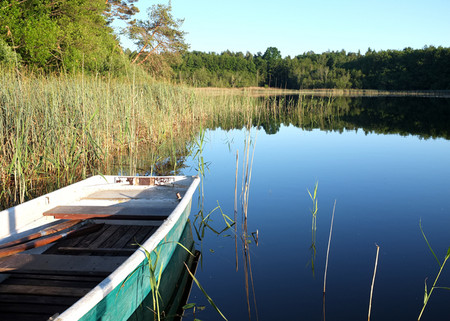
x=384, y=160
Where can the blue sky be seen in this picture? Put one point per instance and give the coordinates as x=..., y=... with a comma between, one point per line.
x=298, y=26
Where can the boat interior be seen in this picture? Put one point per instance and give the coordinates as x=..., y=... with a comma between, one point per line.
x=91, y=238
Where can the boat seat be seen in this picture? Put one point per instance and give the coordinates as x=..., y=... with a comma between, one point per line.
x=109, y=212
x=60, y=264
x=116, y=251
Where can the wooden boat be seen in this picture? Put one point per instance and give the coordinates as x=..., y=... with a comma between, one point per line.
x=175, y=284
x=78, y=253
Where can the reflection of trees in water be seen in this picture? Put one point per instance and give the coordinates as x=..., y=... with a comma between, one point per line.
x=423, y=117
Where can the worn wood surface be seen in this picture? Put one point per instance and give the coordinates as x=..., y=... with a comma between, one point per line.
x=45, y=232
x=110, y=251
x=41, y=285
x=37, y=299
x=114, y=212
x=7, y=251
x=64, y=264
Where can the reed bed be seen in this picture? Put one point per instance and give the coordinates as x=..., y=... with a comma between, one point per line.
x=57, y=129
x=64, y=128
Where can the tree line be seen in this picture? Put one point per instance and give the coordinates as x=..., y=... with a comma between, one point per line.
x=408, y=69
x=77, y=35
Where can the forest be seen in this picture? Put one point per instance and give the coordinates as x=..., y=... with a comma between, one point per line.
x=67, y=36
x=408, y=69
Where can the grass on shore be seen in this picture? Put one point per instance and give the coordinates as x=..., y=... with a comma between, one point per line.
x=55, y=130
x=58, y=129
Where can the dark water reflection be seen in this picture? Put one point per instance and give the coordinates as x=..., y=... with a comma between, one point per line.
x=423, y=117
x=371, y=156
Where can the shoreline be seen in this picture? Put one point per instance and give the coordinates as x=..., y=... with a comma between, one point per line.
x=261, y=92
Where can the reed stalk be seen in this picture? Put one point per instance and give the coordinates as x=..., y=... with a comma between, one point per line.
x=57, y=129
x=313, y=211
x=245, y=193
x=373, y=282
x=441, y=267
x=235, y=209
x=328, y=249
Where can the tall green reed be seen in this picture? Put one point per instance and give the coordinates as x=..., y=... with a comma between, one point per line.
x=247, y=169
x=427, y=294
x=155, y=267
x=63, y=128
x=313, y=210
x=57, y=129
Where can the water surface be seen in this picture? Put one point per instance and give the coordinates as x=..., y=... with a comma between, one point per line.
x=386, y=163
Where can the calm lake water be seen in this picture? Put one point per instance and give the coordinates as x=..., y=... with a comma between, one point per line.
x=386, y=163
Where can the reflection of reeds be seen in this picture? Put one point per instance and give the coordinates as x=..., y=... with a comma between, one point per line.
x=235, y=210
x=55, y=130
x=328, y=249
x=202, y=224
x=204, y=293
x=326, y=260
x=59, y=129
x=198, y=147
x=245, y=193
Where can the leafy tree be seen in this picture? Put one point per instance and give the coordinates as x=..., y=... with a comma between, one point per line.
x=159, y=34
x=272, y=54
x=54, y=34
x=408, y=69
x=8, y=56
x=121, y=9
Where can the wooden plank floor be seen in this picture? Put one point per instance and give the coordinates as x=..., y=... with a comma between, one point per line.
x=38, y=296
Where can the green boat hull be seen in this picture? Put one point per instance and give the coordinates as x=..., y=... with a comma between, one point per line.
x=125, y=298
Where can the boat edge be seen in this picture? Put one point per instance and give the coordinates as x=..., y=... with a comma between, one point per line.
x=101, y=291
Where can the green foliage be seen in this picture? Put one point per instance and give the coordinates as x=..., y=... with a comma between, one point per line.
x=424, y=69
x=121, y=9
x=55, y=130
x=216, y=70
x=272, y=54
x=70, y=36
x=8, y=56
x=61, y=35
x=204, y=293
x=313, y=211
x=427, y=294
x=159, y=39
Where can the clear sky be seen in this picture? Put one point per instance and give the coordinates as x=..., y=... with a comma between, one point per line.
x=298, y=26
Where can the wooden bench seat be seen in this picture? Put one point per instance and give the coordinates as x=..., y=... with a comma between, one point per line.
x=111, y=212
x=115, y=251
x=60, y=264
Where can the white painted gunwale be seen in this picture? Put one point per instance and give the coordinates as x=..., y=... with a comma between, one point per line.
x=28, y=217
x=91, y=299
